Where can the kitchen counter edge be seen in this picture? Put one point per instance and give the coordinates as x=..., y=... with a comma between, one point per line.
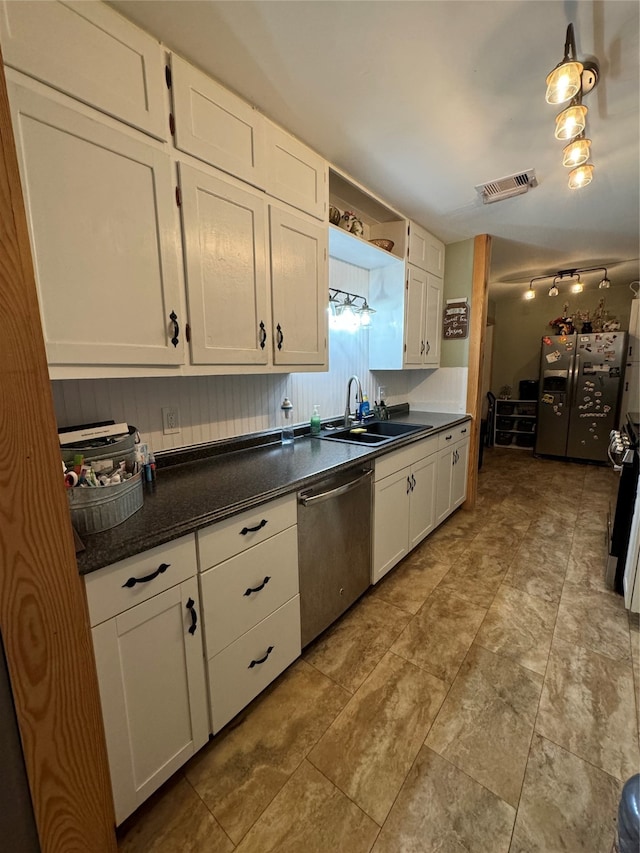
x=192, y=495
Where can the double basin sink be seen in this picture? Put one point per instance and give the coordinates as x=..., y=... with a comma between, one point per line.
x=376, y=432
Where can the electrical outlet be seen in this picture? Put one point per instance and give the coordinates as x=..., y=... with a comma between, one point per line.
x=170, y=420
x=382, y=392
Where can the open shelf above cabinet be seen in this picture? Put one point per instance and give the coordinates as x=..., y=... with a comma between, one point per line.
x=354, y=250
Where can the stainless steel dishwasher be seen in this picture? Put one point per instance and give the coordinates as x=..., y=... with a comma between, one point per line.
x=334, y=547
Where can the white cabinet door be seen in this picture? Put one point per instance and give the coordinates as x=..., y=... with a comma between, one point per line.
x=152, y=687
x=224, y=232
x=100, y=206
x=443, y=484
x=299, y=289
x=391, y=522
x=295, y=173
x=433, y=321
x=415, y=306
x=93, y=54
x=422, y=499
x=459, y=473
x=418, y=242
x=217, y=126
x=435, y=256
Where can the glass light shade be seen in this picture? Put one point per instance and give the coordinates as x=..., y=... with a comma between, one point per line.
x=530, y=294
x=576, y=153
x=605, y=283
x=581, y=176
x=571, y=122
x=577, y=287
x=553, y=290
x=564, y=82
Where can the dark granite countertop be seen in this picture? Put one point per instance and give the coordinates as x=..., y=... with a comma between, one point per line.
x=192, y=494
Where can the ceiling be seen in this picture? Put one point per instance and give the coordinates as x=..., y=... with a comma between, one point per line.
x=422, y=100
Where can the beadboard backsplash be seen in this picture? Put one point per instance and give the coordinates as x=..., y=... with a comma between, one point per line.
x=217, y=407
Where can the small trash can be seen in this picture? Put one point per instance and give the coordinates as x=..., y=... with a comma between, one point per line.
x=629, y=817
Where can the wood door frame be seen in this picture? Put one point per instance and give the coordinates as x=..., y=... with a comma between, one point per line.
x=477, y=325
x=43, y=611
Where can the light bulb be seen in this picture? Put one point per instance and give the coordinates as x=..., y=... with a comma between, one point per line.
x=553, y=290
x=530, y=294
x=571, y=122
x=576, y=153
x=564, y=82
x=605, y=283
x=577, y=287
x=581, y=176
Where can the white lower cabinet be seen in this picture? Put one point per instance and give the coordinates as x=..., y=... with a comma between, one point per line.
x=250, y=603
x=152, y=688
x=452, y=472
x=404, y=502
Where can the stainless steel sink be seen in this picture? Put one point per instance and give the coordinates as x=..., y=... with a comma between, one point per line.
x=377, y=432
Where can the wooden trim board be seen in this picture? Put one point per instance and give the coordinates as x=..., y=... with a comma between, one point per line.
x=477, y=324
x=43, y=612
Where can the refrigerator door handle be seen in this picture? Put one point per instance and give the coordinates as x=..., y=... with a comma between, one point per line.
x=575, y=373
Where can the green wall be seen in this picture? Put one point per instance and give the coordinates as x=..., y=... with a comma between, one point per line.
x=521, y=323
x=458, y=281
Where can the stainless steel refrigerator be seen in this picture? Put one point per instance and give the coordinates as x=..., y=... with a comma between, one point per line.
x=579, y=394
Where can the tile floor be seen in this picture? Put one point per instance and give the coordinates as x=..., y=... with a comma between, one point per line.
x=480, y=698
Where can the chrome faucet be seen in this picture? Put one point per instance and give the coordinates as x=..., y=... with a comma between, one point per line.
x=348, y=417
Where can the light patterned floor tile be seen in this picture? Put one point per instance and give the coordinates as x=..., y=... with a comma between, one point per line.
x=520, y=627
x=594, y=619
x=485, y=724
x=311, y=815
x=440, y=634
x=475, y=577
x=242, y=769
x=587, y=706
x=349, y=650
x=369, y=749
x=441, y=810
x=567, y=804
x=410, y=583
x=173, y=820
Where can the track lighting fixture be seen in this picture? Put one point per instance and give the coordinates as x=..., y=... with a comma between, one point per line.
x=573, y=275
x=346, y=313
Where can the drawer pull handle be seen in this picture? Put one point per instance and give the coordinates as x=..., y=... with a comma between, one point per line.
x=262, y=660
x=257, y=588
x=462, y=431
x=194, y=616
x=255, y=529
x=279, y=336
x=133, y=581
x=448, y=438
x=413, y=482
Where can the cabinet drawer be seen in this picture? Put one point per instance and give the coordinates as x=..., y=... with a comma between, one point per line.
x=108, y=593
x=449, y=437
x=244, y=590
x=405, y=457
x=246, y=667
x=220, y=541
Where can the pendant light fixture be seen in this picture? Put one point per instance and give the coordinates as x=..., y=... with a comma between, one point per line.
x=553, y=290
x=530, y=294
x=581, y=176
x=569, y=81
x=565, y=80
x=577, y=286
x=577, y=152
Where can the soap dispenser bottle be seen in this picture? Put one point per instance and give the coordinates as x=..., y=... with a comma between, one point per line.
x=316, y=423
x=286, y=408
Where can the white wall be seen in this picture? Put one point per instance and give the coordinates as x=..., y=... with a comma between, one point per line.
x=216, y=407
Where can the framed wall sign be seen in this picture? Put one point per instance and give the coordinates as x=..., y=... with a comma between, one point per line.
x=455, y=319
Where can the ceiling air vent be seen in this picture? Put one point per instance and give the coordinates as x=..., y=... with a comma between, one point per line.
x=507, y=187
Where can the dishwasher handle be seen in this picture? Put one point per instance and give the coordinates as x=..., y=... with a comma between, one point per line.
x=333, y=493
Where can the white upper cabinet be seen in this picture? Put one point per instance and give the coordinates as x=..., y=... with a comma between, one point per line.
x=100, y=207
x=216, y=126
x=93, y=54
x=224, y=229
x=425, y=251
x=295, y=173
x=299, y=287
